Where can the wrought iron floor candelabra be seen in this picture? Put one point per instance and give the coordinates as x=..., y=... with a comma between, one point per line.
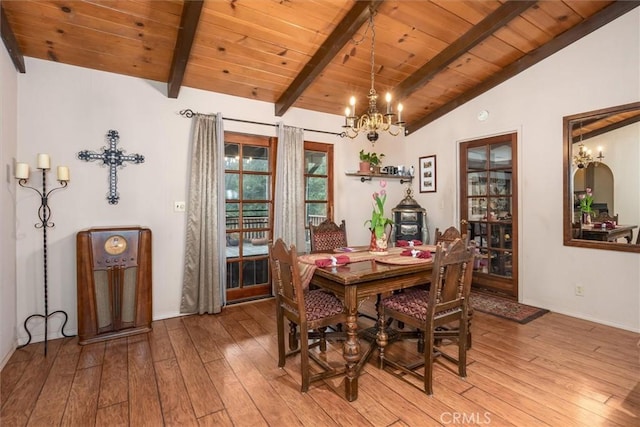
x=44, y=213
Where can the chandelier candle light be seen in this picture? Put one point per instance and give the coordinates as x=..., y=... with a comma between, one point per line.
x=44, y=213
x=372, y=122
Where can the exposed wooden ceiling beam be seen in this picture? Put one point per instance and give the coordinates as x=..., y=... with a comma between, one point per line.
x=188, y=24
x=499, y=18
x=603, y=17
x=10, y=42
x=341, y=35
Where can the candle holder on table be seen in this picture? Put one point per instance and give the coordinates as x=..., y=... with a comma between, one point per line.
x=44, y=213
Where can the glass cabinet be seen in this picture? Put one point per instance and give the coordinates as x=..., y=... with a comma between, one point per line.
x=489, y=208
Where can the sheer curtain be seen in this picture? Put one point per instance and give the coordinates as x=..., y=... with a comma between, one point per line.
x=289, y=196
x=204, y=282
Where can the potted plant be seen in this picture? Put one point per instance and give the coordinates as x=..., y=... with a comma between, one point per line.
x=369, y=161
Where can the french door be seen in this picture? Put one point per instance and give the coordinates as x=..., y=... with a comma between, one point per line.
x=489, y=205
x=249, y=178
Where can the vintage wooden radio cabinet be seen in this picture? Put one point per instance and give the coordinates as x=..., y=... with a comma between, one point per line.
x=114, y=282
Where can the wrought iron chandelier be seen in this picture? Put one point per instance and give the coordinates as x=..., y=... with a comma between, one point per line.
x=584, y=157
x=372, y=121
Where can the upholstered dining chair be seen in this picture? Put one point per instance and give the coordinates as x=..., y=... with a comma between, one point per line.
x=446, y=302
x=327, y=236
x=309, y=309
x=447, y=237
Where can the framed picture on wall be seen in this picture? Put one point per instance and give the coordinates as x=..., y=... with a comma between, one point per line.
x=427, y=174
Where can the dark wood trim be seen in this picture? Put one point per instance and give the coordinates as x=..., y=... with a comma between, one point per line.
x=10, y=42
x=499, y=18
x=600, y=19
x=186, y=34
x=350, y=24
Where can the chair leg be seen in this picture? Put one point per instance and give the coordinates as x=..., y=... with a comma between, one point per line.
x=428, y=361
x=323, y=339
x=420, y=343
x=462, y=348
x=280, y=323
x=293, y=336
x=304, y=359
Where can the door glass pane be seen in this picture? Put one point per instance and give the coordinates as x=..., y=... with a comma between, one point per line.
x=316, y=213
x=255, y=272
x=256, y=187
x=500, y=208
x=231, y=156
x=255, y=158
x=231, y=185
x=500, y=182
x=477, y=183
x=233, y=275
x=500, y=155
x=477, y=158
x=316, y=189
x=477, y=209
x=315, y=162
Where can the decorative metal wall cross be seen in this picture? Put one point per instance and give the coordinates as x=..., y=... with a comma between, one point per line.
x=112, y=157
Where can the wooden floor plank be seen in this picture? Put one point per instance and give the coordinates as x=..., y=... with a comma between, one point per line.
x=113, y=416
x=83, y=398
x=115, y=382
x=144, y=401
x=176, y=404
x=159, y=342
x=203, y=395
x=202, y=339
x=237, y=401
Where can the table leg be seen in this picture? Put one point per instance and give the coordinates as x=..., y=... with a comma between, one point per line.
x=351, y=347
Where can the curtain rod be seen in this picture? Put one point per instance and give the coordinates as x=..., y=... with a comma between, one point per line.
x=189, y=113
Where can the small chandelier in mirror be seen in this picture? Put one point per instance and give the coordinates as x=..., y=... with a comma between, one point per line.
x=372, y=121
x=584, y=157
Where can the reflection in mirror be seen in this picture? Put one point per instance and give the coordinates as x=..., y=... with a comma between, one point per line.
x=602, y=178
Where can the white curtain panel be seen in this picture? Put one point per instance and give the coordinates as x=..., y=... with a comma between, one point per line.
x=289, y=195
x=204, y=281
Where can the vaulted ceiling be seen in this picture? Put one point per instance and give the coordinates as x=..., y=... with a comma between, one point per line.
x=433, y=56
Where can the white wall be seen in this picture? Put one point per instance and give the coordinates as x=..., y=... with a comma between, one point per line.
x=64, y=109
x=600, y=70
x=8, y=147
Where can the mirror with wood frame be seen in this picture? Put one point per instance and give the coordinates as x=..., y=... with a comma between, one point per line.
x=601, y=178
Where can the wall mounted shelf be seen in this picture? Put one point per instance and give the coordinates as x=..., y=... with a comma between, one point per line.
x=369, y=176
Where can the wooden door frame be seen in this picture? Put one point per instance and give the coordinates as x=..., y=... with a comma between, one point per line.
x=507, y=286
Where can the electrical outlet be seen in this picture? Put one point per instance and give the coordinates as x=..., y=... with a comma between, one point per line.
x=179, y=206
x=579, y=290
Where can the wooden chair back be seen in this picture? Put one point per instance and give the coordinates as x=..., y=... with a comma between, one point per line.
x=450, y=283
x=449, y=235
x=604, y=217
x=286, y=277
x=327, y=236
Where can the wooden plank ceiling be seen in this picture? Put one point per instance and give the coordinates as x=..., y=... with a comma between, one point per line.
x=312, y=54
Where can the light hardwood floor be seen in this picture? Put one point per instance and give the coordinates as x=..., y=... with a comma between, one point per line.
x=222, y=370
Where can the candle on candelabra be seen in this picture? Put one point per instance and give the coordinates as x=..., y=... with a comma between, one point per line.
x=63, y=173
x=44, y=162
x=388, y=98
x=22, y=171
x=399, y=113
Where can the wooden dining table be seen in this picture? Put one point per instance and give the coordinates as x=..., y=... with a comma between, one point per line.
x=364, y=276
